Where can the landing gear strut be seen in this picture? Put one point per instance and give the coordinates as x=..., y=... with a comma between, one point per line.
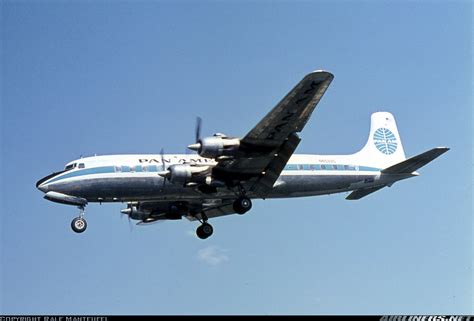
x=79, y=224
x=242, y=205
x=205, y=229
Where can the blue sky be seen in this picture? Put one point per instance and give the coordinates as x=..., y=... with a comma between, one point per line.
x=84, y=78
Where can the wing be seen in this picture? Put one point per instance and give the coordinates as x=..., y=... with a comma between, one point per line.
x=266, y=149
x=292, y=112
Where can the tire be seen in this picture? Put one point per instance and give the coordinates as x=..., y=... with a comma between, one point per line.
x=79, y=225
x=242, y=205
x=204, y=231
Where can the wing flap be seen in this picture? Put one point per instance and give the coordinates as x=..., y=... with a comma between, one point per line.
x=224, y=208
x=265, y=183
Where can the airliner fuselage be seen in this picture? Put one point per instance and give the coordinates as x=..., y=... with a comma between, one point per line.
x=127, y=178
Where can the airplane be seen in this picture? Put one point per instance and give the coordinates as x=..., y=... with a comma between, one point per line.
x=228, y=172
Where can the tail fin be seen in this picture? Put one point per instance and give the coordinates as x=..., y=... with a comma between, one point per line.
x=384, y=146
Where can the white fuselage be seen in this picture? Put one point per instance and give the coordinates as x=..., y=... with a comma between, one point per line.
x=127, y=178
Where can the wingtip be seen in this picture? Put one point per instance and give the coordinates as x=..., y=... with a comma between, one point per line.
x=322, y=72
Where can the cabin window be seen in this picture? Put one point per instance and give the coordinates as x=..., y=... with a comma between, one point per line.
x=312, y=167
x=118, y=169
x=334, y=166
x=323, y=166
x=125, y=169
x=138, y=168
x=300, y=167
x=81, y=165
x=152, y=168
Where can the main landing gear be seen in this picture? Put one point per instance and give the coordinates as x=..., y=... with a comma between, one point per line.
x=79, y=224
x=242, y=205
x=205, y=229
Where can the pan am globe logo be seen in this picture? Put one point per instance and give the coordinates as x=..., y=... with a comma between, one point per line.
x=385, y=141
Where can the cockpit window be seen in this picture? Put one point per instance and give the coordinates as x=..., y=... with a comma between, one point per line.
x=81, y=165
x=70, y=166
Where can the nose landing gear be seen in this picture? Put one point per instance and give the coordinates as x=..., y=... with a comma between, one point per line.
x=79, y=224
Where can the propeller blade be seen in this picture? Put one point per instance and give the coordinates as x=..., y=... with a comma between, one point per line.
x=162, y=153
x=164, y=173
x=127, y=211
x=130, y=225
x=198, y=128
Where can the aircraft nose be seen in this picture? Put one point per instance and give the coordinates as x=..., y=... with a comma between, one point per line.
x=41, y=183
x=42, y=187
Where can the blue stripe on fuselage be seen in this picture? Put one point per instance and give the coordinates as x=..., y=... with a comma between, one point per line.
x=82, y=172
x=329, y=167
x=288, y=167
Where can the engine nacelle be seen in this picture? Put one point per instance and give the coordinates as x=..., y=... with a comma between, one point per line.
x=180, y=173
x=215, y=146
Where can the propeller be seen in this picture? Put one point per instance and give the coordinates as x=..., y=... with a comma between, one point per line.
x=130, y=225
x=197, y=144
x=164, y=173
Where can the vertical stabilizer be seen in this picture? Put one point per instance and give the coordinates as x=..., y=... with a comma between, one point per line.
x=384, y=146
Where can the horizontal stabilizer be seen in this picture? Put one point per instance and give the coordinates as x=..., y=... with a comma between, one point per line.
x=361, y=192
x=412, y=164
